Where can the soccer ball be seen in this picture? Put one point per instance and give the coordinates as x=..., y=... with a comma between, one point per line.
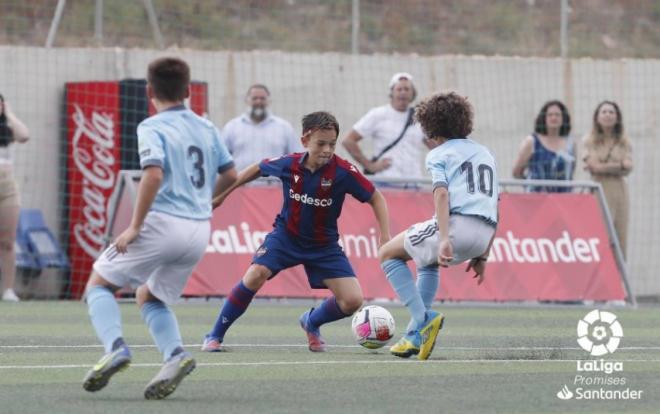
x=373, y=326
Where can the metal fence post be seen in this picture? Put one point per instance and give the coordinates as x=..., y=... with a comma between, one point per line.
x=355, y=28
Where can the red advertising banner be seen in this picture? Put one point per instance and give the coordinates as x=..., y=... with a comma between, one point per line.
x=93, y=162
x=551, y=247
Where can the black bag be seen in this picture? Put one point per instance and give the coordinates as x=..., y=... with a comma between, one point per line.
x=409, y=121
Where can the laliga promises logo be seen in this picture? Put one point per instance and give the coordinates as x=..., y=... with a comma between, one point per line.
x=599, y=333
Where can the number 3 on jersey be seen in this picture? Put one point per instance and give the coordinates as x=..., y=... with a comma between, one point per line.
x=485, y=173
x=197, y=156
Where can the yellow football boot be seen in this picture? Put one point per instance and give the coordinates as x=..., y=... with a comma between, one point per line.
x=429, y=333
x=406, y=346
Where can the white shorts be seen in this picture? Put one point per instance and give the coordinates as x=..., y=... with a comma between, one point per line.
x=163, y=255
x=469, y=237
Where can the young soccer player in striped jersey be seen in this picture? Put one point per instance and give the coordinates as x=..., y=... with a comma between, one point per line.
x=314, y=185
x=181, y=156
x=465, y=194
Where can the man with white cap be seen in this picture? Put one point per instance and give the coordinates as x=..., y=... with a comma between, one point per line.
x=398, y=144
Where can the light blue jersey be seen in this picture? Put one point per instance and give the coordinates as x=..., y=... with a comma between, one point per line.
x=468, y=171
x=189, y=150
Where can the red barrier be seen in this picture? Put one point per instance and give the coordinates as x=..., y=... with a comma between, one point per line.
x=548, y=247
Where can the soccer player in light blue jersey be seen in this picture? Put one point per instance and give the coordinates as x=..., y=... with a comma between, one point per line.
x=465, y=195
x=181, y=156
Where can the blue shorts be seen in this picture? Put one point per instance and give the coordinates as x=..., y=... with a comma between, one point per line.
x=279, y=252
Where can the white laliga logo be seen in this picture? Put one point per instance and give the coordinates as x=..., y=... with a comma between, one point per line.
x=599, y=333
x=565, y=393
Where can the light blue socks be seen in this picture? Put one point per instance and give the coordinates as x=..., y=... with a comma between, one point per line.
x=105, y=316
x=163, y=327
x=106, y=319
x=401, y=280
x=428, y=280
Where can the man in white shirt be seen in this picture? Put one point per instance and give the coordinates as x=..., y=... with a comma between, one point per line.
x=384, y=125
x=258, y=134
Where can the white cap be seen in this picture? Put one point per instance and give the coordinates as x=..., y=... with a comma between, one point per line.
x=398, y=76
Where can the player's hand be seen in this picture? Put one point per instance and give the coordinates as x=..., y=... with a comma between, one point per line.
x=380, y=165
x=126, y=238
x=445, y=253
x=479, y=267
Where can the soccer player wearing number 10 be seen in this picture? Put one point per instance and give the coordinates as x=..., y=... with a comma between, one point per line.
x=465, y=195
x=181, y=155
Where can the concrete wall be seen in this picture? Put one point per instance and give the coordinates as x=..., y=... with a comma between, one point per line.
x=506, y=92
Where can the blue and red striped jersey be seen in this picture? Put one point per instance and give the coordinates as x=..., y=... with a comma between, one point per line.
x=313, y=200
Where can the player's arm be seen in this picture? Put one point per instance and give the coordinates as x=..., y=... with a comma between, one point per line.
x=379, y=206
x=152, y=177
x=249, y=174
x=441, y=202
x=224, y=181
x=524, y=155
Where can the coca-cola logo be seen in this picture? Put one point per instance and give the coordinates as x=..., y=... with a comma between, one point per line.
x=92, y=153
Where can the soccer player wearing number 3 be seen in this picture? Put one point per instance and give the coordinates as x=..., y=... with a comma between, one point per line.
x=465, y=195
x=181, y=156
x=315, y=184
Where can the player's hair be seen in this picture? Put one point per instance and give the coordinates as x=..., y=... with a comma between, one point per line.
x=169, y=78
x=319, y=120
x=445, y=115
x=258, y=86
x=540, y=126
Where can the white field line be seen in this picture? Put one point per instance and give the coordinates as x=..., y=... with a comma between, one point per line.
x=450, y=348
x=347, y=362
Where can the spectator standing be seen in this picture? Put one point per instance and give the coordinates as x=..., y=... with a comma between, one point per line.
x=11, y=130
x=608, y=158
x=398, y=143
x=550, y=152
x=258, y=134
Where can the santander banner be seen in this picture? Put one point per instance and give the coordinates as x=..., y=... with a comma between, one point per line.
x=551, y=247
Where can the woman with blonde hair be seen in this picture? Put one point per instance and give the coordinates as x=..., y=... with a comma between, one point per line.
x=11, y=130
x=607, y=157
